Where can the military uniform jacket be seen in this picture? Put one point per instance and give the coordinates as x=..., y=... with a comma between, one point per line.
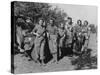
x=69, y=29
x=77, y=29
x=86, y=31
x=61, y=32
x=52, y=30
x=39, y=29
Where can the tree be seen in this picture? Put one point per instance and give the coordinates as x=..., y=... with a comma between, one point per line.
x=38, y=10
x=93, y=28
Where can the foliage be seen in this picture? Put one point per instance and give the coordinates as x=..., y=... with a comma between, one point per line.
x=38, y=10
x=85, y=61
x=93, y=28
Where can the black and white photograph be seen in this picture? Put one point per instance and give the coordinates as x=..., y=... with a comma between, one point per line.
x=51, y=37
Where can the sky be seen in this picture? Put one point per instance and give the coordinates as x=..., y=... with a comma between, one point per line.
x=82, y=12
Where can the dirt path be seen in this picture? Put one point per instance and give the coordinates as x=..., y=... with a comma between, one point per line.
x=22, y=65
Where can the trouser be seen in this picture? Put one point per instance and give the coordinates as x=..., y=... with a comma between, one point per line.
x=60, y=44
x=85, y=44
x=53, y=43
x=53, y=46
x=37, y=46
x=19, y=39
x=42, y=50
x=86, y=41
x=20, y=42
x=61, y=41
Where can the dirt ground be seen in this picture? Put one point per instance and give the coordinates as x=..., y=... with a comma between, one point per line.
x=22, y=65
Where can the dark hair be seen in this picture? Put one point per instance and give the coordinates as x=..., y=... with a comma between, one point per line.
x=79, y=21
x=52, y=22
x=70, y=20
x=40, y=19
x=86, y=21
